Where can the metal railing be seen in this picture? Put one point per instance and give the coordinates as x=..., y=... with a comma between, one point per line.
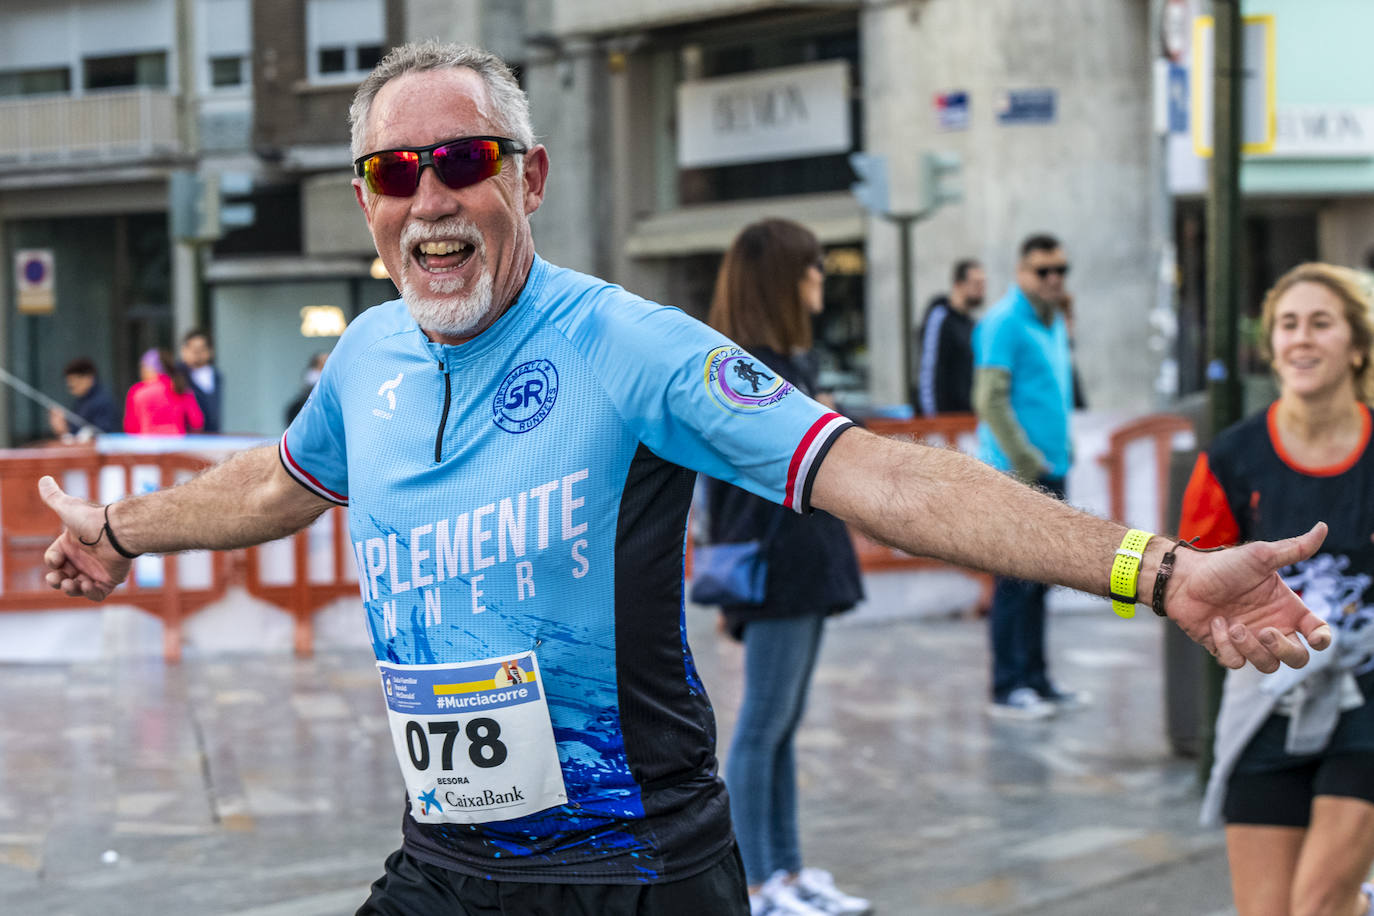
x=113, y=124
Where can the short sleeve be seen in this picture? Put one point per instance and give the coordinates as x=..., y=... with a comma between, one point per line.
x=1206, y=513
x=313, y=447
x=696, y=399
x=995, y=344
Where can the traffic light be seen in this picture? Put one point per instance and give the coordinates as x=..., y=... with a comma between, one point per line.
x=871, y=188
x=201, y=205
x=940, y=180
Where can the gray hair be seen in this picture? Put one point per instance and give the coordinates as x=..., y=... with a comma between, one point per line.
x=512, y=108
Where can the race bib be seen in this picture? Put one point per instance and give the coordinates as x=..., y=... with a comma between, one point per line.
x=473, y=739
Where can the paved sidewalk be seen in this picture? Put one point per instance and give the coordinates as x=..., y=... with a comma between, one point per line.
x=266, y=786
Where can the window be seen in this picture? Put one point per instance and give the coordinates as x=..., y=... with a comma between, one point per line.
x=226, y=71
x=333, y=60
x=344, y=38
x=35, y=82
x=147, y=69
x=225, y=39
x=369, y=56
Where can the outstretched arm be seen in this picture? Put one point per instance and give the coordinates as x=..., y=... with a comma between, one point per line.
x=941, y=503
x=246, y=500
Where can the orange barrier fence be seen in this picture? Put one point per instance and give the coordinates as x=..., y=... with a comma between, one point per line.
x=173, y=587
x=1160, y=430
x=303, y=573
x=954, y=431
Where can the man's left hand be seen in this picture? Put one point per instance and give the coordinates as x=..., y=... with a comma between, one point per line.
x=1235, y=605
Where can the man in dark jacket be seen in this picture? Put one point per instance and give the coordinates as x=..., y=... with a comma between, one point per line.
x=198, y=362
x=945, y=381
x=93, y=403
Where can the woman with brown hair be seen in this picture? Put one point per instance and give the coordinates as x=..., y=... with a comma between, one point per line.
x=161, y=403
x=770, y=285
x=1294, y=772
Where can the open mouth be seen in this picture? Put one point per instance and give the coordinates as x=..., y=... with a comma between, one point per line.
x=442, y=256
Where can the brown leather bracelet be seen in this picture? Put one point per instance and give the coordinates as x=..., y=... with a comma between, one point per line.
x=1166, y=569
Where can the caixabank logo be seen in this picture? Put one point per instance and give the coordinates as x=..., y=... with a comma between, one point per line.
x=740, y=383
x=526, y=396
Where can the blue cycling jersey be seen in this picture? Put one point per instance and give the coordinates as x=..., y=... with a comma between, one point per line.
x=528, y=491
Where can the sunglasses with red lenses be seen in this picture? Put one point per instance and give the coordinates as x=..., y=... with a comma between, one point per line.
x=458, y=163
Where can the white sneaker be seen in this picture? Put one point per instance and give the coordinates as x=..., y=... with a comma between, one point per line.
x=817, y=887
x=1022, y=703
x=784, y=899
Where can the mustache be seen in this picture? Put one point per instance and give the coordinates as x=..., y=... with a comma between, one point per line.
x=453, y=227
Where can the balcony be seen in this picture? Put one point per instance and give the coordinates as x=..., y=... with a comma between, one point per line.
x=124, y=124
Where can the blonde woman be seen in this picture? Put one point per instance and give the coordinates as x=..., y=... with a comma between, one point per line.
x=1294, y=772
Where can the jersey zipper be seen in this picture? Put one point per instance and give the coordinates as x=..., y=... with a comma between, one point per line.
x=443, y=418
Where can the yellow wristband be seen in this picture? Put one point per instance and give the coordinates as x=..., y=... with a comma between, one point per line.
x=1125, y=571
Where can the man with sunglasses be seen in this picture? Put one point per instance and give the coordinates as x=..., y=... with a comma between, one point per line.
x=517, y=445
x=1023, y=394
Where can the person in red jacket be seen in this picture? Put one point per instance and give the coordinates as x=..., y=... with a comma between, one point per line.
x=162, y=404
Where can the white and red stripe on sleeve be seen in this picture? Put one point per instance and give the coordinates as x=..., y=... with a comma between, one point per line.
x=807, y=459
x=305, y=478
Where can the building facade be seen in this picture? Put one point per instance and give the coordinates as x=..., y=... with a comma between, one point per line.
x=1309, y=196
x=1047, y=106
x=671, y=124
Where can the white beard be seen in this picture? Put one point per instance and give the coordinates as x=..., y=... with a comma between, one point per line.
x=435, y=308
x=438, y=303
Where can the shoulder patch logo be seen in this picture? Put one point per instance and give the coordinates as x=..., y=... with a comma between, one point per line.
x=526, y=396
x=740, y=383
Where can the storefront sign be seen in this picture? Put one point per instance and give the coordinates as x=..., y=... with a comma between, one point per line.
x=951, y=110
x=785, y=113
x=1325, y=132
x=1026, y=106
x=33, y=281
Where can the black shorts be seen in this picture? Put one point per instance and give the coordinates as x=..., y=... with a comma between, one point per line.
x=1283, y=798
x=414, y=888
x=1273, y=787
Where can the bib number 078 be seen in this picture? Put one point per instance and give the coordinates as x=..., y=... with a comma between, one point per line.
x=485, y=750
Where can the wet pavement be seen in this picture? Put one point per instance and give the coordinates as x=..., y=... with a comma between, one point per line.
x=265, y=785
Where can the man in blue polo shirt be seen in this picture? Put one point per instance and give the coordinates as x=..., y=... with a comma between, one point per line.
x=1023, y=393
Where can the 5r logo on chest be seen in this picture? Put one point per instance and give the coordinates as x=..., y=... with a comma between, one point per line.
x=526, y=396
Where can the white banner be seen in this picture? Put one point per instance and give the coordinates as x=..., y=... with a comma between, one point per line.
x=784, y=113
x=1325, y=132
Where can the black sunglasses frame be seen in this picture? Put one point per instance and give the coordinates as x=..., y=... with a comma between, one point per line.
x=504, y=145
x=1044, y=272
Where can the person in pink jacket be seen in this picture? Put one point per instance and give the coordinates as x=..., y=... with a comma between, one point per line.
x=162, y=403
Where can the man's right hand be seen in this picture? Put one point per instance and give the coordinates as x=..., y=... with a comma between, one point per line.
x=81, y=562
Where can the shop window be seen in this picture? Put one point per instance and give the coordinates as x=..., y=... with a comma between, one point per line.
x=125, y=70
x=35, y=82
